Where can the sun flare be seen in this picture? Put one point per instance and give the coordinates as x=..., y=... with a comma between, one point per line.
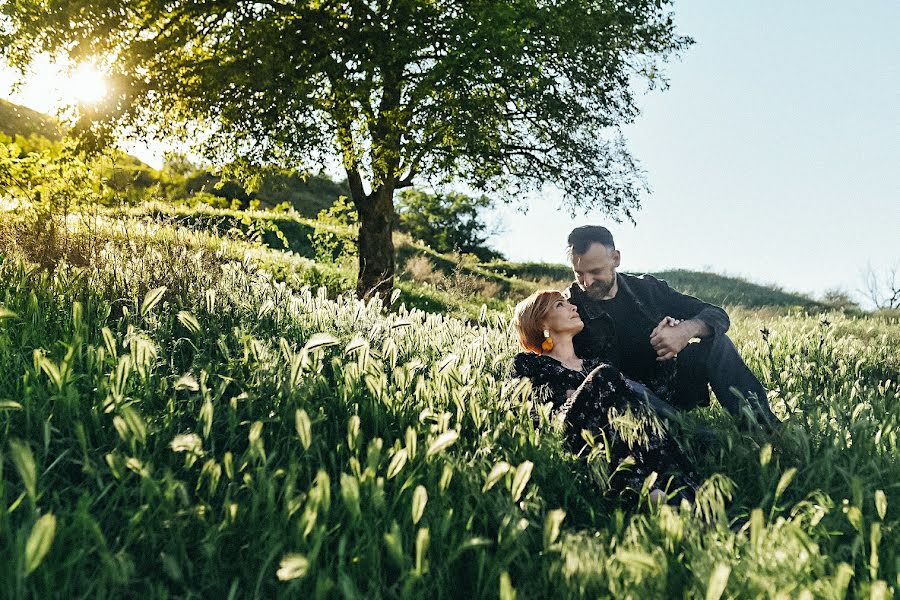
x=85, y=84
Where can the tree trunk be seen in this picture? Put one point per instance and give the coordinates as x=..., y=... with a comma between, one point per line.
x=376, y=243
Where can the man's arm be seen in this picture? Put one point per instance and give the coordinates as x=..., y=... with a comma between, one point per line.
x=671, y=336
x=686, y=318
x=687, y=308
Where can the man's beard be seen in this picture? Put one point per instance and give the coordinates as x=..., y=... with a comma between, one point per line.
x=598, y=290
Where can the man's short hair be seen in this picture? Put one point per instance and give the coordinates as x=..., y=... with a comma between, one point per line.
x=582, y=237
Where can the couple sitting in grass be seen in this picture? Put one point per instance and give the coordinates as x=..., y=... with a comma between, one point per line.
x=619, y=355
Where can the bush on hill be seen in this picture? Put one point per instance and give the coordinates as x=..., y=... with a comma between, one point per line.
x=450, y=222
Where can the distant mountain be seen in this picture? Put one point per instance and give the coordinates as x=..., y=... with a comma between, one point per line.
x=16, y=119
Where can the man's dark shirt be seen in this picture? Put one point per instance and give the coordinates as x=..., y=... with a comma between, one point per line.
x=649, y=300
x=632, y=352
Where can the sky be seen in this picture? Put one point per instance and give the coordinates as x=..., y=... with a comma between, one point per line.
x=773, y=155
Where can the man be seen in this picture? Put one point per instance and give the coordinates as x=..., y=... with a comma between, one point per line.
x=645, y=328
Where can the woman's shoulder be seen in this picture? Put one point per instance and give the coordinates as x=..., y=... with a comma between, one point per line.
x=526, y=364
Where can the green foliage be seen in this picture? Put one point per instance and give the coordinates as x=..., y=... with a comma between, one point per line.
x=58, y=174
x=450, y=222
x=334, y=237
x=184, y=182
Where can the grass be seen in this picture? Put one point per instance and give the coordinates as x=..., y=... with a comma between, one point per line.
x=178, y=421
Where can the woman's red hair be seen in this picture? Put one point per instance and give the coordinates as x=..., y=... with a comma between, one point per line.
x=529, y=314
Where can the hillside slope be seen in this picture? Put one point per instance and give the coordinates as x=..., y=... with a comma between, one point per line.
x=445, y=282
x=16, y=119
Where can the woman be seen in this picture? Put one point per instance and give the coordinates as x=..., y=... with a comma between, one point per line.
x=590, y=394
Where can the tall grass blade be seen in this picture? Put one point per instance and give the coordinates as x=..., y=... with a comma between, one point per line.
x=397, y=463
x=189, y=321
x=304, y=428
x=507, y=591
x=520, y=479
x=718, y=580
x=23, y=460
x=497, y=472
x=442, y=442
x=419, y=500
x=152, y=299
x=292, y=566
x=39, y=542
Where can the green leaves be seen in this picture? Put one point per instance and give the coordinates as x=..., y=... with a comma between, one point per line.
x=39, y=542
x=414, y=475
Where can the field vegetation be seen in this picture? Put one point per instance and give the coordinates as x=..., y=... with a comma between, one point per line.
x=185, y=412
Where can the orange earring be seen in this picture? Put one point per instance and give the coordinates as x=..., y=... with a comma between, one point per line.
x=547, y=345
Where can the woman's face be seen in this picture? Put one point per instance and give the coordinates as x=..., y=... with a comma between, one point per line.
x=563, y=318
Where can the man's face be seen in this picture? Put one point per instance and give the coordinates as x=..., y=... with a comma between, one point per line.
x=595, y=270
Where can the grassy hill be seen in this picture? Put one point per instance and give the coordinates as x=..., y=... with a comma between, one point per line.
x=20, y=120
x=451, y=283
x=183, y=414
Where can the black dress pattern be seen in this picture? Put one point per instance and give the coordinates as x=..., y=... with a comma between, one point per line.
x=637, y=440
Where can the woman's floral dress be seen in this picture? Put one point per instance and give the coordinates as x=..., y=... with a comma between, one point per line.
x=605, y=401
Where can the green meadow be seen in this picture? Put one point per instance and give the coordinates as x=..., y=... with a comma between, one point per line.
x=189, y=409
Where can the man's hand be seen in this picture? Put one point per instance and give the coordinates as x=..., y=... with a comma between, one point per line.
x=671, y=336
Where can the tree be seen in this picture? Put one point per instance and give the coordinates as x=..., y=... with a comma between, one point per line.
x=505, y=95
x=883, y=290
x=447, y=222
